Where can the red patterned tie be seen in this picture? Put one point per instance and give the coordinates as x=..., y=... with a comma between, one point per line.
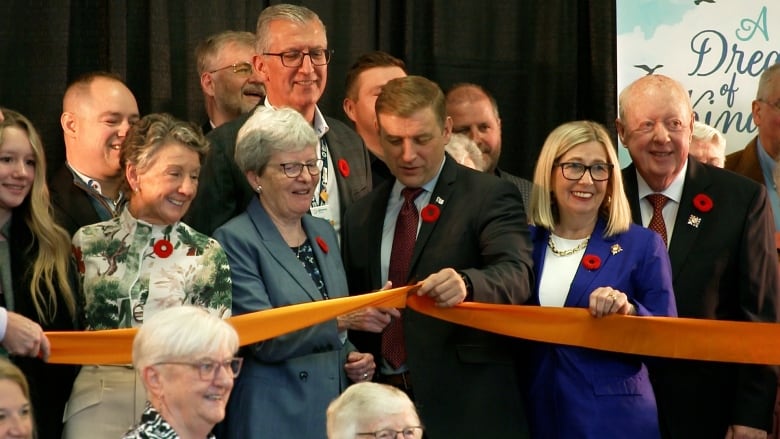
x=393, y=347
x=657, y=223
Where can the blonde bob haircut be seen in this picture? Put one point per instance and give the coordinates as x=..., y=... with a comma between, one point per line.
x=544, y=212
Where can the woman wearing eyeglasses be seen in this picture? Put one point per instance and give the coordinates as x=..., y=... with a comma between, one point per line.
x=185, y=358
x=281, y=255
x=587, y=254
x=141, y=262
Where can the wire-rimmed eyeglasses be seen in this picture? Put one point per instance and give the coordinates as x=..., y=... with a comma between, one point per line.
x=294, y=58
x=207, y=370
x=294, y=169
x=413, y=432
x=239, y=68
x=575, y=171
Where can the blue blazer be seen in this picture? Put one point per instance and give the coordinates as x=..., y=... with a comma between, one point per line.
x=286, y=383
x=585, y=393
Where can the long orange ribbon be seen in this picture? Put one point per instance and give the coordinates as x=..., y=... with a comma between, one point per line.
x=735, y=342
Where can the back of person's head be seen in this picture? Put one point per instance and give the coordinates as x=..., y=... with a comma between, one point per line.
x=614, y=209
x=283, y=11
x=704, y=132
x=49, y=272
x=366, y=403
x=270, y=131
x=405, y=96
x=181, y=332
x=208, y=49
x=365, y=62
x=469, y=92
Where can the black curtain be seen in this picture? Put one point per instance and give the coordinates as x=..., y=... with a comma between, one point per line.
x=546, y=61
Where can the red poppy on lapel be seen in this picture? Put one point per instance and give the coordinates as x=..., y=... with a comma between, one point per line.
x=163, y=248
x=591, y=262
x=343, y=168
x=430, y=213
x=702, y=202
x=323, y=245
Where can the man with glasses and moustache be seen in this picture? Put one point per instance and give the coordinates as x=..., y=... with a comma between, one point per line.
x=231, y=86
x=292, y=60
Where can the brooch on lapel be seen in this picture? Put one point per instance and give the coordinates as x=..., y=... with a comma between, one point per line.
x=343, y=168
x=694, y=221
x=430, y=213
x=703, y=203
x=323, y=245
x=591, y=262
x=615, y=249
x=163, y=248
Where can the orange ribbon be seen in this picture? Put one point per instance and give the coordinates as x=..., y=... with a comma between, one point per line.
x=712, y=340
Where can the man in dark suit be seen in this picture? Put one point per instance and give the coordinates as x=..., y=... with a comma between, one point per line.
x=292, y=59
x=758, y=160
x=474, y=112
x=97, y=112
x=230, y=85
x=724, y=266
x=472, y=243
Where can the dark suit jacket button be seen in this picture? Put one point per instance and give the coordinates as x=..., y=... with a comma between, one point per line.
x=303, y=376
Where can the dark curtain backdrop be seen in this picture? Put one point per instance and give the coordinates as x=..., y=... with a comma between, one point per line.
x=546, y=61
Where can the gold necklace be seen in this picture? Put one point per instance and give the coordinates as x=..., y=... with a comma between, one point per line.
x=568, y=252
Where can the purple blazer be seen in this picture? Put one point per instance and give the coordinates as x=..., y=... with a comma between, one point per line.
x=586, y=393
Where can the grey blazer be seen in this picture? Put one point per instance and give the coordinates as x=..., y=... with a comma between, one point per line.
x=223, y=191
x=286, y=383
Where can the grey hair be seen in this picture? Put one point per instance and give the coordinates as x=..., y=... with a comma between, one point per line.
x=269, y=131
x=283, y=11
x=181, y=333
x=364, y=403
x=461, y=146
x=704, y=132
x=770, y=74
x=209, y=48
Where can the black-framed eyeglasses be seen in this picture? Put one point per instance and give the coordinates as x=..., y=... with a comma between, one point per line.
x=207, y=370
x=294, y=169
x=239, y=68
x=775, y=104
x=413, y=432
x=575, y=171
x=294, y=58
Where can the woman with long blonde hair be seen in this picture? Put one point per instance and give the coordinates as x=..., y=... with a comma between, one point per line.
x=39, y=282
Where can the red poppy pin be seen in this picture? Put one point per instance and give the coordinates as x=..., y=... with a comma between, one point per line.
x=343, y=168
x=591, y=262
x=430, y=213
x=163, y=248
x=323, y=245
x=703, y=203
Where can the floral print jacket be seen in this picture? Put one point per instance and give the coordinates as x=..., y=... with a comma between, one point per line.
x=131, y=269
x=153, y=426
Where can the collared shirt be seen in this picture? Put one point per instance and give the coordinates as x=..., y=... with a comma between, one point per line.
x=673, y=192
x=327, y=174
x=767, y=168
x=106, y=207
x=394, y=204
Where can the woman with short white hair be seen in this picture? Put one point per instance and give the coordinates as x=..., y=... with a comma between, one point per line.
x=185, y=358
x=373, y=409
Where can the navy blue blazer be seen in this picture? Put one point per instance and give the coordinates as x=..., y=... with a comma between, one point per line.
x=286, y=383
x=586, y=393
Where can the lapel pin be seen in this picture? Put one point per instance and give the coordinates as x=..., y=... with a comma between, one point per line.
x=439, y=201
x=694, y=221
x=616, y=248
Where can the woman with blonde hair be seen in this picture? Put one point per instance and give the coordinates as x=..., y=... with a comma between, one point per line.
x=587, y=254
x=16, y=414
x=39, y=282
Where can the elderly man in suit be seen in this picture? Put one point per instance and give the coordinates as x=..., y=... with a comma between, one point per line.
x=718, y=227
x=292, y=59
x=461, y=233
x=759, y=159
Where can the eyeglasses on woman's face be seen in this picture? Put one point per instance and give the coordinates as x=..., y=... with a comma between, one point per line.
x=207, y=369
x=574, y=170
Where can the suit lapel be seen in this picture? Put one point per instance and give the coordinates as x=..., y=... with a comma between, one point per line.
x=375, y=219
x=441, y=193
x=326, y=264
x=584, y=281
x=272, y=240
x=697, y=180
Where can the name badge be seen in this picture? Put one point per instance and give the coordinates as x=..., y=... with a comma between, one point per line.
x=322, y=212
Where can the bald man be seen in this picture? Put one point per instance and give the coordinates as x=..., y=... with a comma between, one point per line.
x=97, y=111
x=474, y=112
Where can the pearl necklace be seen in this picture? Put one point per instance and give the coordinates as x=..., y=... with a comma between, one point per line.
x=568, y=252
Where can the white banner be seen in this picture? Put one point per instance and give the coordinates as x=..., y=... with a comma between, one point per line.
x=717, y=49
